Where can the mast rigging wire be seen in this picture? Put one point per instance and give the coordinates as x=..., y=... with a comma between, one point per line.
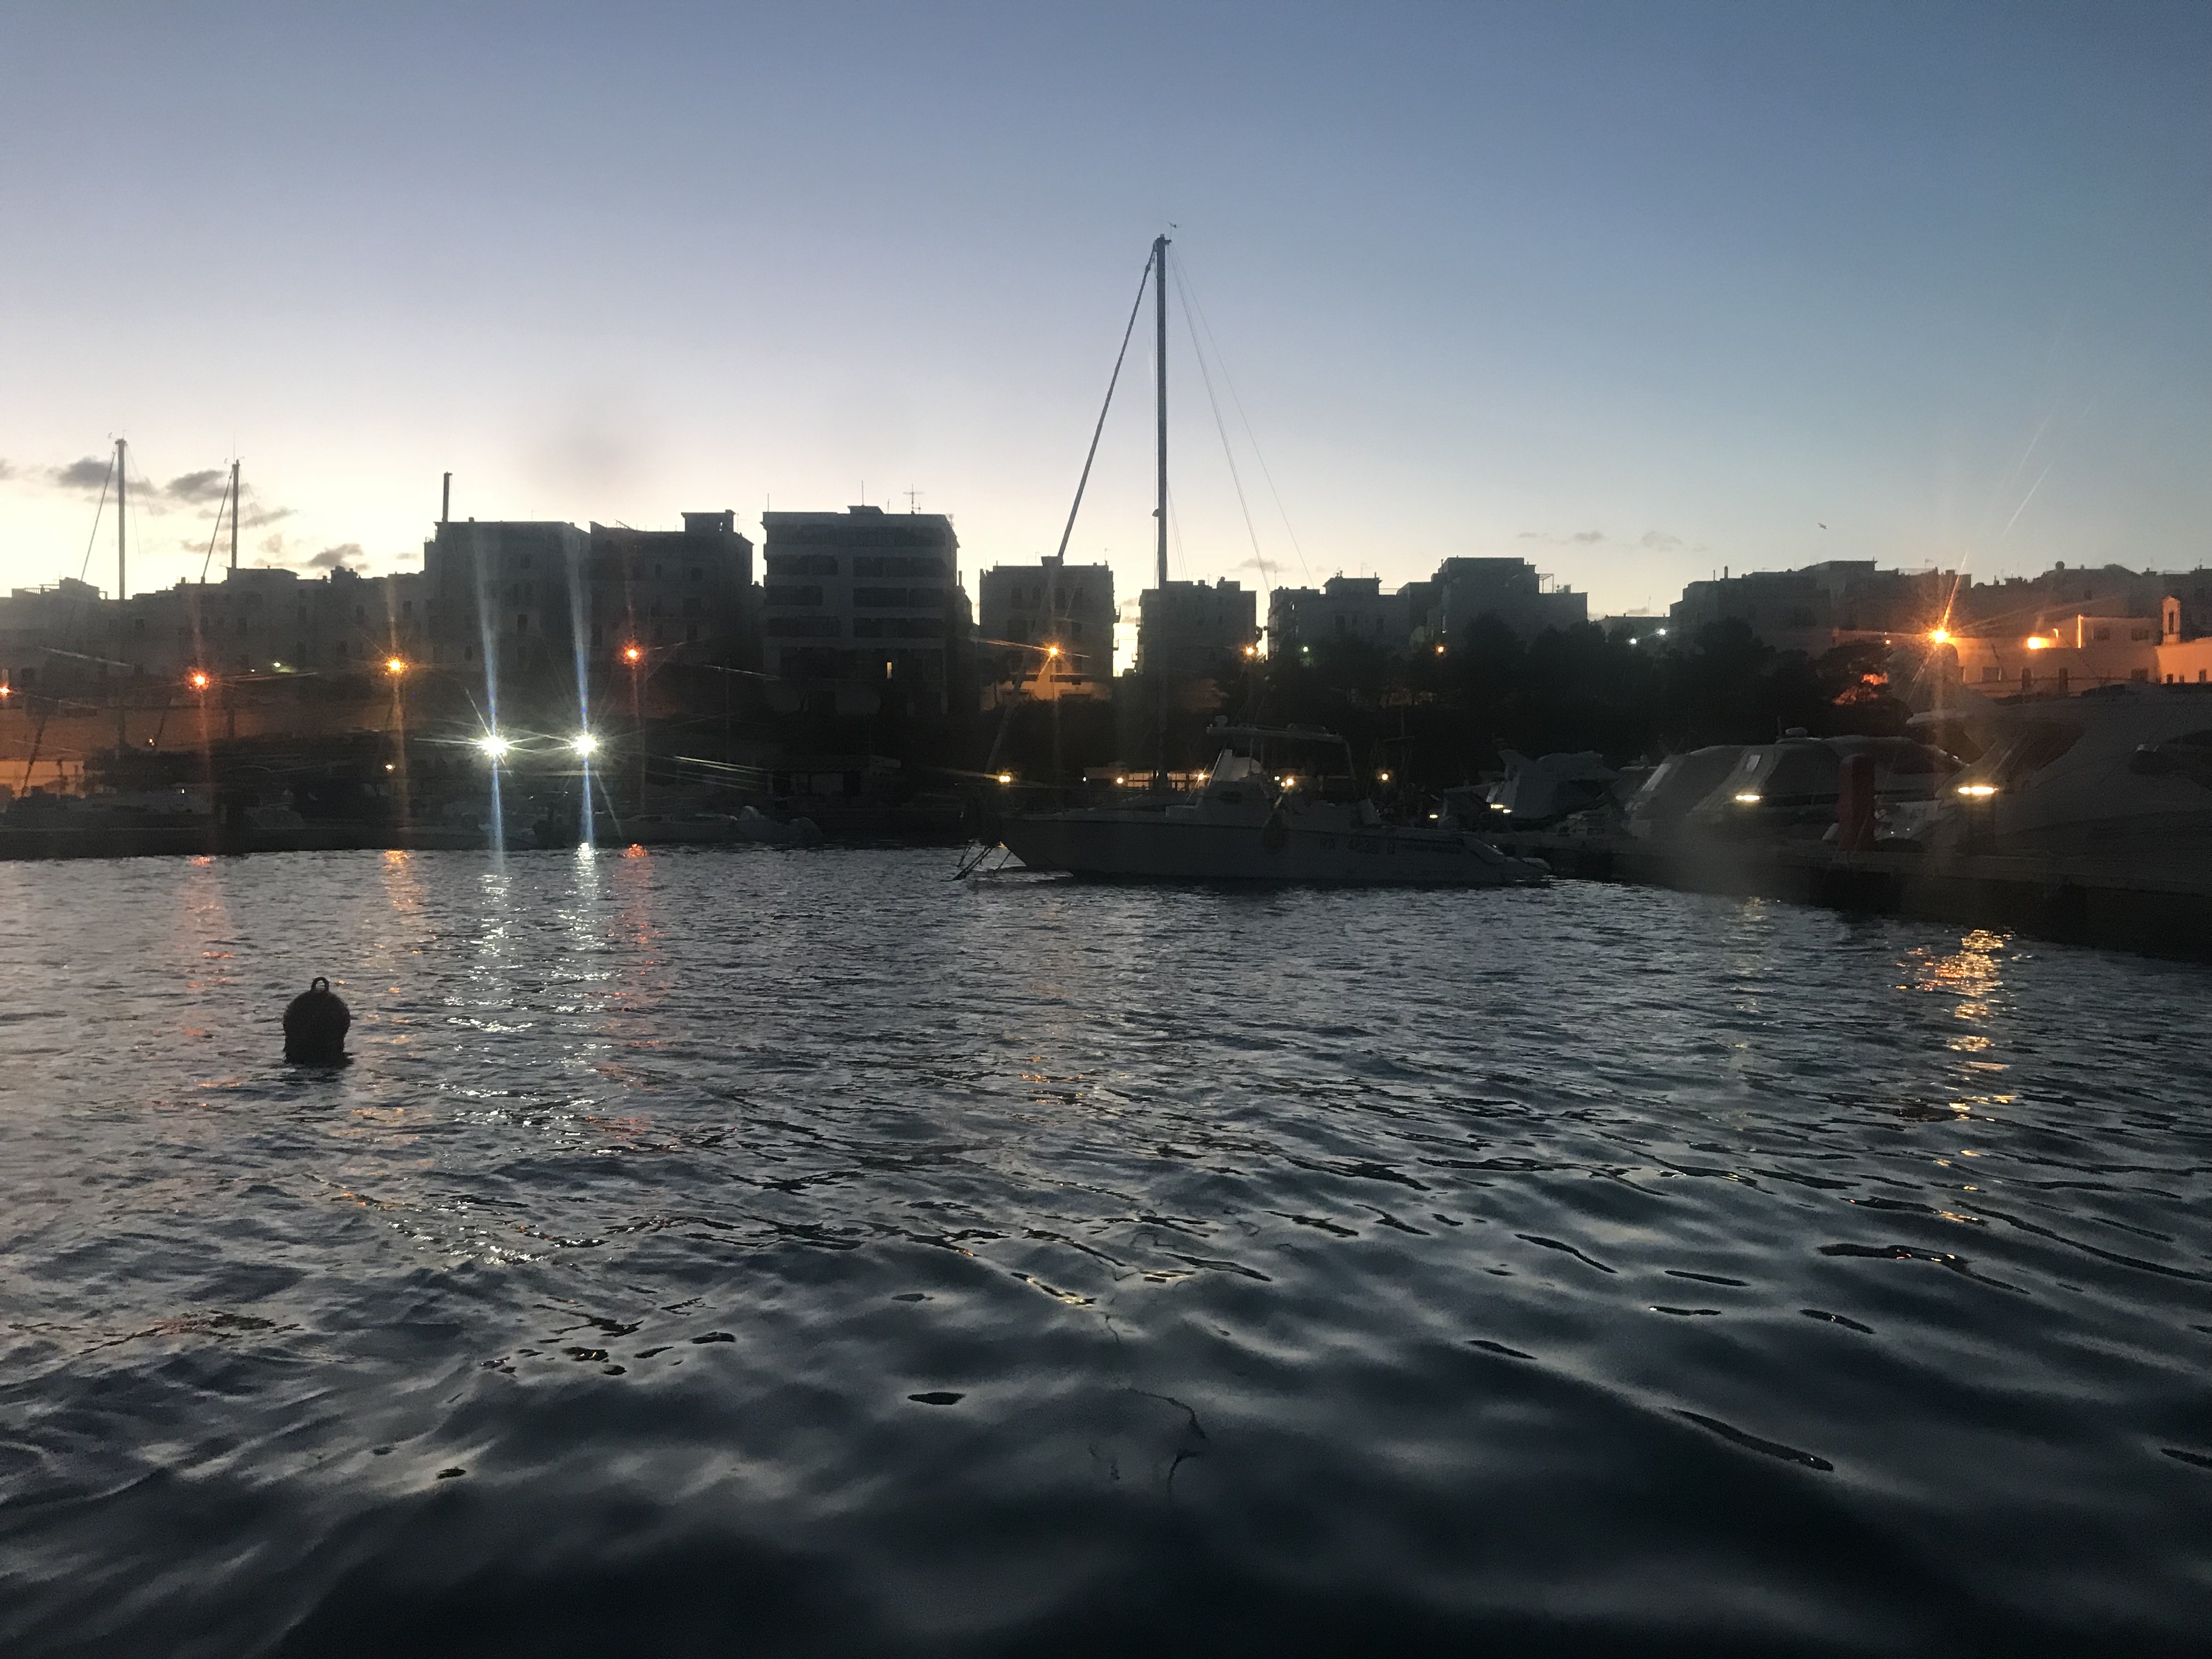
x=1119, y=357
x=1237, y=401
x=1228, y=451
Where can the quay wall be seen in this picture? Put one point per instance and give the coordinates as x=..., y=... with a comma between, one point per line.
x=2120, y=905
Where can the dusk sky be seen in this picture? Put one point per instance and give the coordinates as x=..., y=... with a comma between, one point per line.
x=1636, y=291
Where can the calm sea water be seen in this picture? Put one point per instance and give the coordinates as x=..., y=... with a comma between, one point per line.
x=724, y=1251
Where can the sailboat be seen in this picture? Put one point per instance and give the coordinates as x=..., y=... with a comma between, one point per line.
x=1278, y=805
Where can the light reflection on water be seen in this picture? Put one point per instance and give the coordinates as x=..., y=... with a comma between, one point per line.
x=805, y=1253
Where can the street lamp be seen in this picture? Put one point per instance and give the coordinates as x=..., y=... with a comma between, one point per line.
x=494, y=747
x=585, y=744
x=395, y=666
x=632, y=654
x=197, y=680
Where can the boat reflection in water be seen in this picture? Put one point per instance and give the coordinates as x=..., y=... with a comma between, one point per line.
x=1277, y=807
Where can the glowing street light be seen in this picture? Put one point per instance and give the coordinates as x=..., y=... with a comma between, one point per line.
x=2037, y=642
x=395, y=666
x=197, y=680
x=585, y=744
x=632, y=654
x=1005, y=777
x=1939, y=636
x=494, y=747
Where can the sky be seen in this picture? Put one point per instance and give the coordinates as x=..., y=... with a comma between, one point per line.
x=1638, y=291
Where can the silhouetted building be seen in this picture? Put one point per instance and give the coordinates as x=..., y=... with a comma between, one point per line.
x=531, y=596
x=862, y=596
x=1513, y=590
x=2025, y=604
x=1820, y=606
x=1344, y=608
x=251, y=622
x=1189, y=631
x=686, y=594
x=1049, y=625
x=505, y=596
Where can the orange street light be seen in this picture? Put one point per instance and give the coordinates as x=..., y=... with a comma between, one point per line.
x=1440, y=651
x=2037, y=642
x=1939, y=636
x=1052, y=651
x=197, y=680
x=395, y=666
x=632, y=654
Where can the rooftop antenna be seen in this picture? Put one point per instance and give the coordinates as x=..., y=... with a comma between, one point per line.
x=913, y=497
x=446, y=500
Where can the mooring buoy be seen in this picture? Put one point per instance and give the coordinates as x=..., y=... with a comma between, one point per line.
x=315, y=1026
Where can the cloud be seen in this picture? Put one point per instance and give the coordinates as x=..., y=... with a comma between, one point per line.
x=274, y=545
x=344, y=556
x=7, y=471
x=1659, y=542
x=256, y=516
x=210, y=485
x=89, y=474
x=1586, y=536
x=1580, y=539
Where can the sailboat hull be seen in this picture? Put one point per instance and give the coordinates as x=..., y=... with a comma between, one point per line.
x=1134, y=846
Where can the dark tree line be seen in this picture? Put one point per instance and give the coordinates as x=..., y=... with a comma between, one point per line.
x=1442, y=718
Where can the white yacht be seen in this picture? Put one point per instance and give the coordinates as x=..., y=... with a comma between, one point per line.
x=1277, y=807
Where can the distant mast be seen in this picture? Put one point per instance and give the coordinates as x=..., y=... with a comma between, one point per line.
x=121, y=621
x=233, y=515
x=120, y=516
x=1160, y=360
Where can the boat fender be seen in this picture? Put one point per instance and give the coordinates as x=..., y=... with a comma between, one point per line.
x=315, y=1026
x=1275, y=835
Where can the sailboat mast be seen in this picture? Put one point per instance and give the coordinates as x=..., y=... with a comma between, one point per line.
x=233, y=515
x=1160, y=363
x=120, y=484
x=121, y=621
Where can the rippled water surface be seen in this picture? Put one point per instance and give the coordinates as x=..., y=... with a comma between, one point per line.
x=732, y=1252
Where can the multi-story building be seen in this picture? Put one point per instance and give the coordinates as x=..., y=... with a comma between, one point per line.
x=1513, y=590
x=2027, y=605
x=1048, y=626
x=863, y=595
x=1187, y=630
x=1344, y=608
x=688, y=593
x=505, y=596
x=525, y=597
x=251, y=622
x=1822, y=605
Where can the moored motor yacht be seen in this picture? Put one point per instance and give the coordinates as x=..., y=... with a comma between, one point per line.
x=1277, y=806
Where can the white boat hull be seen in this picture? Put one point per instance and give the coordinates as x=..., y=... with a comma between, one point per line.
x=1112, y=844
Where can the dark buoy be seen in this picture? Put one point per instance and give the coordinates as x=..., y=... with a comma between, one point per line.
x=315, y=1026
